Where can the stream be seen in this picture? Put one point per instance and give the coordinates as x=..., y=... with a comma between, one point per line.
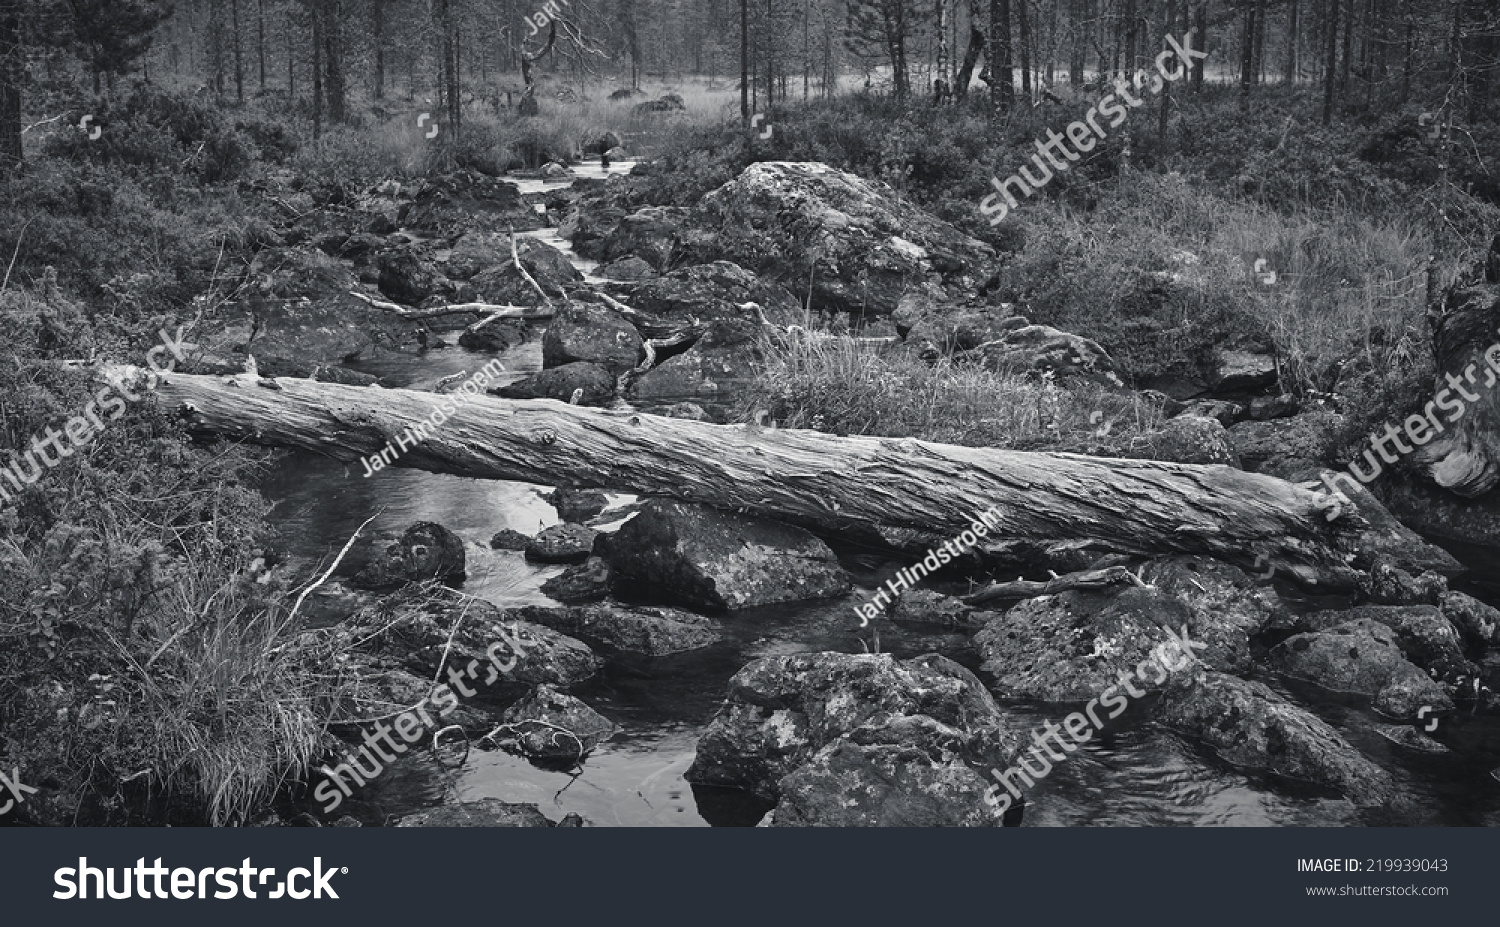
x=1134, y=773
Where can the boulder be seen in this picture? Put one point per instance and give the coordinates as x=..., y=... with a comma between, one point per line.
x=562, y=544
x=1249, y=725
x=509, y=539
x=1388, y=584
x=1190, y=439
x=464, y=201
x=1238, y=372
x=491, y=649
x=503, y=284
x=693, y=296
x=656, y=235
x=1424, y=635
x=404, y=278
x=493, y=337
x=1361, y=656
x=562, y=382
x=782, y=711
x=1464, y=457
x=590, y=332
x=705, y=557
x=856, y=243
x=1044, y=349
x=719, y=366
x=650, y=630
x=424, y=551
x=923, y=606
x=576, y=505
x=551, y=725
x=626, y=268
x=908, y=771
x=1480, y=623
x=583, y=582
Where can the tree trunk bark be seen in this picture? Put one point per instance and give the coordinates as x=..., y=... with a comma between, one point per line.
x=12, y=73
x=1330, y=60
x=804, y=477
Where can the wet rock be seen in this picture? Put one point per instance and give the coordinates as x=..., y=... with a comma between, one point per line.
x=589, y=332
x=1249, y=725
x=654, y=234
x=474, y=252
x=693, y=296
x=1308, y=438
x=381, y=687
x=404, y=278
x=554, y=170
x=1045, y=349
x=1074, y=645
x=1480, y=623
x=706, y=557
x=721, y=364
x=602, y=142
x=1424, y=635
x=550, y=725
x=923, y=606
x=425, y=551
x=1185, y=439
x=503, y=284
x=483, y=812
x=576, y=505
x=1388, y=584
x=781, y=711
x=298, y=308
x=584, y=582
x=857, y=241
x=1243, y=371
x=493, y=337
x=907, y=772
x=509, y=539
x=463, y=201
x=650, y=630
x=1265, y=408
x=626, y=268
x=491, y=648
x=1360, y=656
x=1404, y=735
x=562, y=544
x=562, y=382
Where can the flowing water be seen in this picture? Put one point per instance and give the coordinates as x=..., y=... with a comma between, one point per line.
x=1131, y=774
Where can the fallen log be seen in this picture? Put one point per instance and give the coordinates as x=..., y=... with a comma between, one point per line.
x=805, y=477
x=492, y=310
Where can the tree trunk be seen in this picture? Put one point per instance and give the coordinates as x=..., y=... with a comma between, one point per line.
x=333, y=59
x=800, y=476
x=12, y=74
x=745, y=61
x=378, y=38
x=971, y=58
x=1002, y=81
x=239, y=59
x=260, y=24
x=1330, y=59
x=1023, y=20
x=1200, y=23
x=1291, y=44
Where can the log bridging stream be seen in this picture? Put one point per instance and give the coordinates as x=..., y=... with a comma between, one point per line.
x=803, y=477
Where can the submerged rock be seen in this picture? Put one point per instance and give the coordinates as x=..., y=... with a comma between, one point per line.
x=486, y=812
x=425, y=551
x=1361, y=656
x=576, y=505
x=702, y=556
x=649, y=630
x=1249, y=725
x=783, y=711
x=1424, y=635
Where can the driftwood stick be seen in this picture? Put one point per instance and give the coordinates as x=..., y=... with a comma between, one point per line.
x=1030, y=589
